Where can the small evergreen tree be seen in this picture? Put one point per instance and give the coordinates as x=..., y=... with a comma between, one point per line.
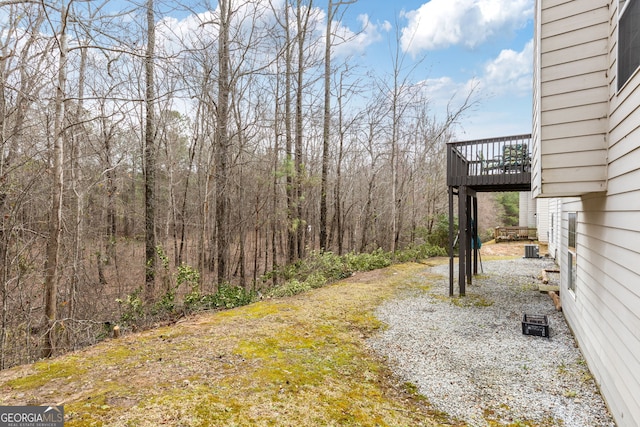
x=510, y=204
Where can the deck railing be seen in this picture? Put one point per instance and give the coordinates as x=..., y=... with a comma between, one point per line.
x=506, y=234
x=489, y=161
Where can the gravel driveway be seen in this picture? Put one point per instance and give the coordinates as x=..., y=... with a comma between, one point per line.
x=470, y=359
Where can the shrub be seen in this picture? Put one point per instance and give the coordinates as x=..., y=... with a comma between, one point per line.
x=439, y=235
x=289, y=288
x=227, y=296
x=132, y=307
x=187, y=275
x=368, y=261
x=167, y=303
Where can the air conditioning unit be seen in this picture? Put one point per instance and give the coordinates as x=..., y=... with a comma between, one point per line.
x=531, y=251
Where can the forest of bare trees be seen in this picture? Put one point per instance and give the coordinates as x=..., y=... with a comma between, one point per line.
x=231, y=139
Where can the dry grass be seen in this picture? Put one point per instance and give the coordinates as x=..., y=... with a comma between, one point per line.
x=503, y=250
x=299, y=361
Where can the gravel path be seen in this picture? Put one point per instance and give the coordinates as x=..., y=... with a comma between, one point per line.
x=470, y=359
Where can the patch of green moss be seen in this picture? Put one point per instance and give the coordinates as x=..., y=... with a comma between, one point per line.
x=90, y=411
x=412, y=390
x=365, y=322
x=471, y=300
x=257, y=310
x=493, y=420
x=290, y=358
x=210, y=410
x=49, y=370
x=197, y=405
x=117, y=355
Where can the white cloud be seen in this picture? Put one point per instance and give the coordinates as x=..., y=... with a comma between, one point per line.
x=505, y=81
x=441, y=90
x=505, y=85
x=174, y=35
x=510, y=73
x=357, y=42
x=442, y=23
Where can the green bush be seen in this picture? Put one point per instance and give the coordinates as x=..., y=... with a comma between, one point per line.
x=316, y=280
x=327, y=264
x=132, y=307
x=167, y=303
x=187, y=275
x=368, y=261
x=227, y=296
x=439, y=235
x=427, y=250
x=290, y=288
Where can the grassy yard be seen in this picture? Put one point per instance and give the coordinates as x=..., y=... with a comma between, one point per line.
x=299, y=361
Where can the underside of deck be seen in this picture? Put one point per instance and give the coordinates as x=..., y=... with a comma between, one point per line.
x=486, y=165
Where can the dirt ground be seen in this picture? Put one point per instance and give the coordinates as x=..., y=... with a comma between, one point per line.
x=492, y=248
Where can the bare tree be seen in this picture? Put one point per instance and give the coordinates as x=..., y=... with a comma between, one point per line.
x=222, y=140
x=332, y=9
x=150, y=156
x=345, y=126
x=19, y=91
x=242, y=150
x=57, y=172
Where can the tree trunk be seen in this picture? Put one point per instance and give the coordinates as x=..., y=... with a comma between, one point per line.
x=288, y=120
x=302, y=25
x=274, y=189
x=76, y=176
x=222, y=144
x=57, y=172
x=150, y=159
x=326, y=125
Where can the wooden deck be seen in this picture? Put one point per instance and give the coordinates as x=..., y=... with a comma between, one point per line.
x=485, y=165
x=510, y=234
x=496, y=164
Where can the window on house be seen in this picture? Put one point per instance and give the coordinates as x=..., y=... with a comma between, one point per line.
x=571, y=252
x=571, y=271
x=573, y=217
x=628, y=40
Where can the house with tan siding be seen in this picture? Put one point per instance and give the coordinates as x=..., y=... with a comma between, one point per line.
x=586, y=162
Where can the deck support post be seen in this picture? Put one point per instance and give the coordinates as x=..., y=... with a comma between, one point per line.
x=451, y=241
x=462, y=241
x=474, y=235
x=469, y=231
x=467, y=254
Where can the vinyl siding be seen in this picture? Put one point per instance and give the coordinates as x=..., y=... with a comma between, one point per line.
x=554, y=215
x=536, y=120
x=587, y=144
x=542, y=219
x=527, y=210
x=571, y=96
x=604, y=309
x=603, y=312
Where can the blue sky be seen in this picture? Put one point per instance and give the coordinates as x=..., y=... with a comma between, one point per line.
x=458, y=41
x=455, y=44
